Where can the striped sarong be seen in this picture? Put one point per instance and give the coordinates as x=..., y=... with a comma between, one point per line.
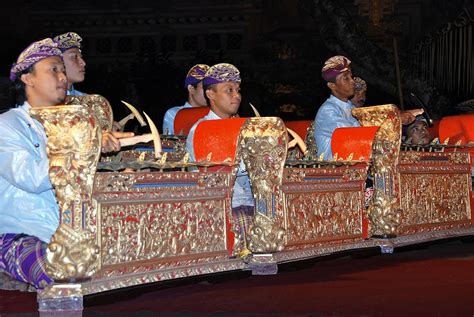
x=243, y=217
x=22, y=257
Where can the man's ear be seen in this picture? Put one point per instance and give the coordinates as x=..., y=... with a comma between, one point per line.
x=210, y=94
x=26, y=79
x=191, y=89
x=330, y=85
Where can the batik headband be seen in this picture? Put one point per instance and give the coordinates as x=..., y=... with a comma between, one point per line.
x=195, y=75
x=34, y=53
x=68, y=40
x=221, y=73
x=335, y=66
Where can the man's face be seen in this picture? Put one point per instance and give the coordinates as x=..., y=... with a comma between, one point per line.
x=46, y=85
x=359, y=98
x=197, y=95
x=75, y=65
x=225, y=99
x=343, y=87
x=418, y=133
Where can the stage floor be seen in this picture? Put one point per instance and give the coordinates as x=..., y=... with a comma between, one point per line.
x=435, y=279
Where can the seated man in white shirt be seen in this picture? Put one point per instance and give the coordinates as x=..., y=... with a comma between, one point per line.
x=222, y=90
x=70, y=45
x=193, y=84
x=29, y=211
x=336, y=111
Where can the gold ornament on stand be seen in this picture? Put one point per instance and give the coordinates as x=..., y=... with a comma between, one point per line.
x=263, y=146
x=73, y=149
x=384, y=212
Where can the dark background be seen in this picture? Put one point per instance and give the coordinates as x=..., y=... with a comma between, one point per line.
x=139, y=51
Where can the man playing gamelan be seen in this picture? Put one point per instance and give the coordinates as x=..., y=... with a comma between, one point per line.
x=29, y=211
x=222, y=90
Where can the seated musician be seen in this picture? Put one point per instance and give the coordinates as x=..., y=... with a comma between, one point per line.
x=193, y=84
x=222, y=90
x=417, y=132
x=336, y=111
x=360, y=90
x=29, y=211
x=70, y=45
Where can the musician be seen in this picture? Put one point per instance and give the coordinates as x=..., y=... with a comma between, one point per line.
x=193, y=84
x=417, y=132
x=28, y=209
x=360, y=89
x=336, y=111
x=70, y=45
x=221, y=85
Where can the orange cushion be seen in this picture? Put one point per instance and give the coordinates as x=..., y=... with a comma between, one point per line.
x=187, y=117
x=357, y=141
x=217, y=136
x=457, y=128
x=434, y=130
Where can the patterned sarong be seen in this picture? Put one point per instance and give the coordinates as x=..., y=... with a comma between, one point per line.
x=22, y=257
x=243, y=217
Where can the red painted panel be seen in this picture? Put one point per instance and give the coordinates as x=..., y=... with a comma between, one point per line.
x=217, y=136
x=187, y=117
x=353, y=140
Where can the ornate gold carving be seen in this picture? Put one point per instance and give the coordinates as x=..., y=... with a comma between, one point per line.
x=443, y=199
x=132, y=274
x=263, y=148
x=323, y=203
x=315, y=215
x=161, y=214
x=72, y=255
x=384, y=212
x=73, y=149
x=132, y=232
x=266, y=235
x=98, y=105
x=438, y=158
x=161, y=182
x=374, y=116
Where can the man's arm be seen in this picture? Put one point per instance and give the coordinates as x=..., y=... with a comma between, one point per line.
x=110, y=140
x=409, y=116
x=168, y=121
x=20, y=166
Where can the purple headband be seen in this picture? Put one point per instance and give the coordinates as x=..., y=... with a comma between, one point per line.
x=195, y=75
x=221, y=73
x=334, y=66
x=359, y=84
x=33, y=54
x=68, y=40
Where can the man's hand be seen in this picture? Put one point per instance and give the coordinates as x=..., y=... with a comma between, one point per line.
x=110, y=140
x=409, y=116
x=117, y=126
